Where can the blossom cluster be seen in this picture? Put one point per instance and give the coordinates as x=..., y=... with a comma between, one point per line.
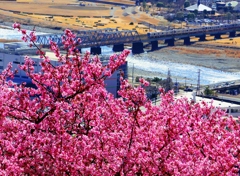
x=70, y=125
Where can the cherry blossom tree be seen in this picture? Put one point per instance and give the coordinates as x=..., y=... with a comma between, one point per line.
x=70, y=125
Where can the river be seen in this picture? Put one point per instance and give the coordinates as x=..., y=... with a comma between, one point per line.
x=148, y=66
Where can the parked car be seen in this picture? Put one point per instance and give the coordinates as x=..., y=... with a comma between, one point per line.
x=188, y=90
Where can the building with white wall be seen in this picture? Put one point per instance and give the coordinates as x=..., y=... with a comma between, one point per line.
x=16, y=52
x=230, y=108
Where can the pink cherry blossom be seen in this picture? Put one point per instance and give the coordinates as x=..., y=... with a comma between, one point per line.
x=70, y=124
x=16, y=26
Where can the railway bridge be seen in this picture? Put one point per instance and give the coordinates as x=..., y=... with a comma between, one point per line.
x=102, y=37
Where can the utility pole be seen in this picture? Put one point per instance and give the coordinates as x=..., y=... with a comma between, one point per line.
x=198, y=82
x=168, y=82
x=176, y=87
x=133, y=74
x=185, y=82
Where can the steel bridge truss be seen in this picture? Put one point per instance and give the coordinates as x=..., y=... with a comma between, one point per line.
x=44, y=39
x=94, y=38
x=110, y=38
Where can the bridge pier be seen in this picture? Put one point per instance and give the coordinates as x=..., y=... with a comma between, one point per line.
x=202, y=38
x=170, y=42
x=137, y=48
x=154, y=45
x=96, y=50
x=187, y=41
x=119, y=47
x=232, y=34
x=217, y=36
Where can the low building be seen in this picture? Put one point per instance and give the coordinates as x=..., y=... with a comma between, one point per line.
x=198, y=7
x=220, y=5
x=229, y=107
x=15, y=52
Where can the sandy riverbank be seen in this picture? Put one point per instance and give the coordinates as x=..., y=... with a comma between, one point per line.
x=7, y=25
x=222, y=59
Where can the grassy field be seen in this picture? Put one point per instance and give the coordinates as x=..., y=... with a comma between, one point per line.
x=58, y=13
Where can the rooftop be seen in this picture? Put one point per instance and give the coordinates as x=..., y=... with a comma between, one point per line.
x=199, y=8
x=215, y=103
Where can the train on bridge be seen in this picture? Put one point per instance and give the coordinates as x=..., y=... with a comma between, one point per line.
x=104, y=37
x=205, y=29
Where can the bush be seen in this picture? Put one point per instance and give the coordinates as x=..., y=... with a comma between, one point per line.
x=180, y=16
x=160, y=4
x=137, y=78
x=208, y=92
x=186, y=4
x=191, y=16
x=156, y=79
x=170, y=17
